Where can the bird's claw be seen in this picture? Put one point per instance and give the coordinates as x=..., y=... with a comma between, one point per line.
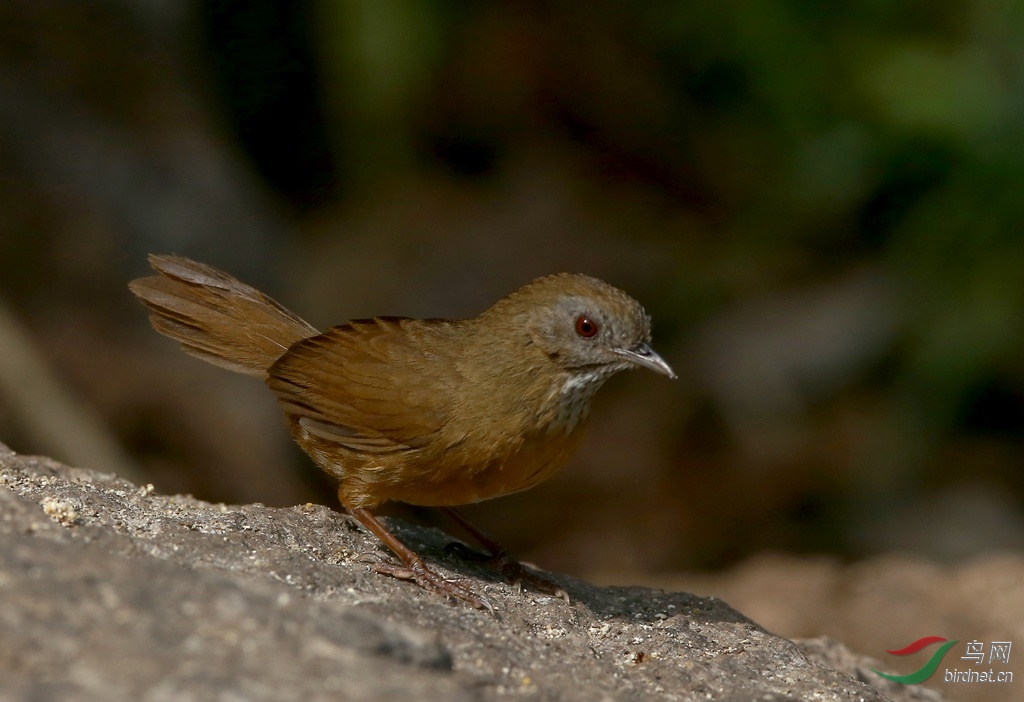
x=432, y=581
x=517, y=574
x=513, y=571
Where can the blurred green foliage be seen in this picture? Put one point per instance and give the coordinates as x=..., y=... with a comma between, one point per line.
x=826, y=132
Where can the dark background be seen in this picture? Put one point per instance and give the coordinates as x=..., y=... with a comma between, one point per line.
x=820, y=204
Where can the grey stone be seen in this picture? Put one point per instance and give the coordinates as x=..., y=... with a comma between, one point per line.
x=109, y=591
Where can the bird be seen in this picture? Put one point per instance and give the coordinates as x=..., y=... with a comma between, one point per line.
x=430, y=412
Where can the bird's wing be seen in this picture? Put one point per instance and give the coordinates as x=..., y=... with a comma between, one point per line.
x=370, y=386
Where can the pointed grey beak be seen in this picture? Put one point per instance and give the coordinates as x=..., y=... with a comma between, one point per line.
x=645, y=357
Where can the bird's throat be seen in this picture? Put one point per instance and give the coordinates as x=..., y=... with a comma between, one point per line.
x=573, y=397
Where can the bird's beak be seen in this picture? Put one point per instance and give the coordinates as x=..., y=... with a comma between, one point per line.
x=645, y=357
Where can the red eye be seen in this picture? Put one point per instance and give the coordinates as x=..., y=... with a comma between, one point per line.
x=585, y=327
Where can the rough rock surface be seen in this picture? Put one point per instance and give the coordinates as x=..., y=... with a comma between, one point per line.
x=108, y=591
x=880, y=603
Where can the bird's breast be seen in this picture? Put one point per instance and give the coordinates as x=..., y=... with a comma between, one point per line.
x=449, y=482
x=485, y=452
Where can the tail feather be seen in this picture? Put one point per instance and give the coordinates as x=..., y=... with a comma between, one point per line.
x=216, y=317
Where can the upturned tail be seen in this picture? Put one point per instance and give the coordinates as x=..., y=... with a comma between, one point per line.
x=216, y=317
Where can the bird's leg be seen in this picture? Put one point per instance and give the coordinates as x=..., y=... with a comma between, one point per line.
x=414, y=568
x=504, y=562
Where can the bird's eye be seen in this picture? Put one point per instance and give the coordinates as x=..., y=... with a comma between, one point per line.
x=585, y=327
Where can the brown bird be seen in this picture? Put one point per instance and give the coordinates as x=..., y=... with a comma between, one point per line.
x=432, y=412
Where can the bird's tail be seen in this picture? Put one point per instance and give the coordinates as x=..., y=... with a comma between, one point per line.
x=216, y=317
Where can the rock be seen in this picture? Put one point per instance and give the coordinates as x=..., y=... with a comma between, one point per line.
x=878, y=603
x=112, y=592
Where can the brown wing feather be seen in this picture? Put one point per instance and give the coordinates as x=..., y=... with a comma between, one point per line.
x=370, y=386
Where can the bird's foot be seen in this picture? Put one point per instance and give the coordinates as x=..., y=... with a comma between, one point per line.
x=418, y=572
x=413, y=568
x=512, y=570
